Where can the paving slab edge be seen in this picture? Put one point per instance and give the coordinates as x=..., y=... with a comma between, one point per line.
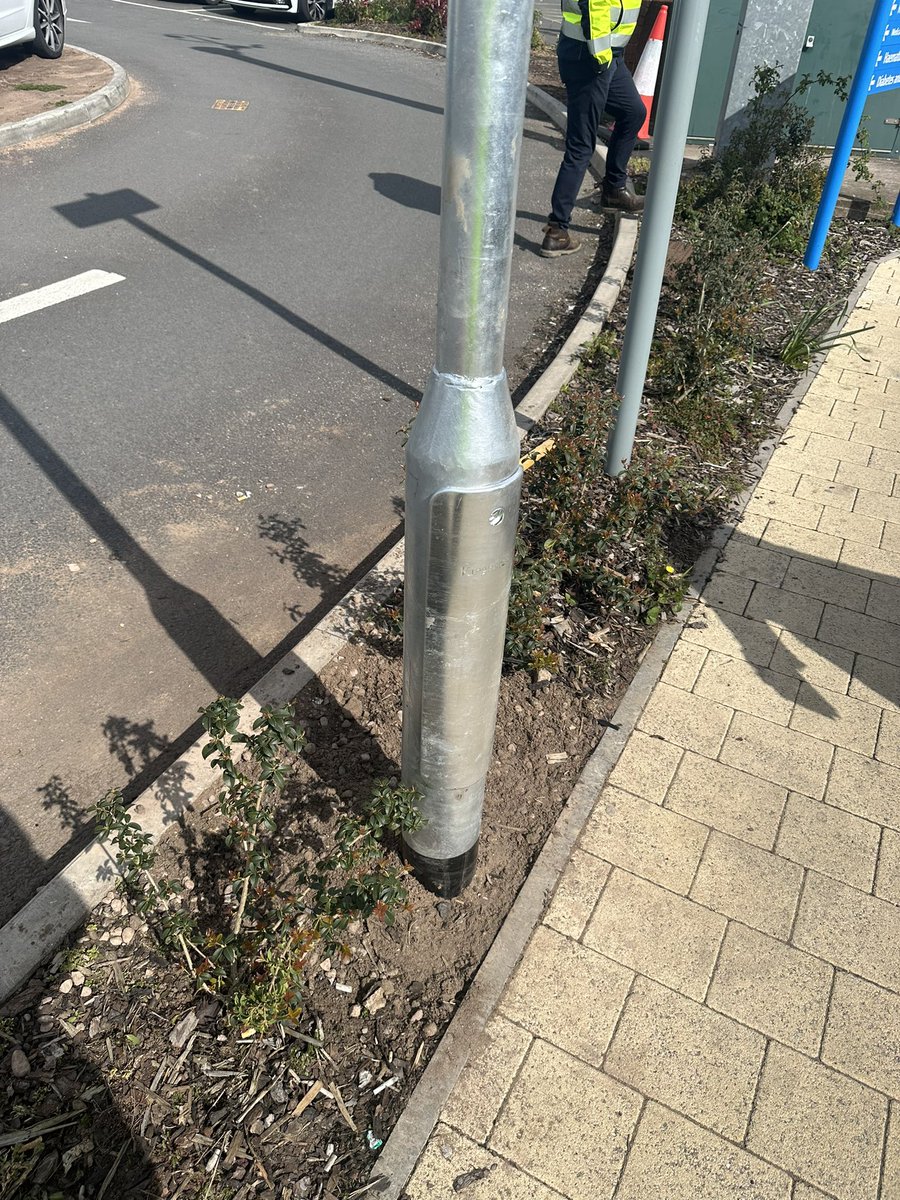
x=422, y=1111
x=79, y=112
x=58, y=907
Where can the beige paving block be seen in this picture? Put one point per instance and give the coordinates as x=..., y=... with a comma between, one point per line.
x=865, y=787
x=860, y=633
x=790, y=458
x=826, y=1128
x=819, y=400
x=851, y=525
x=878, y=506
x=830, y=494
x=646, y=766
x=776, y=506
x=822, y=548
x=743, y=686
x=751, y=562
x=883, y=601
x=772, y=987
x=567, y=994
x=827, y=583
x=865, y=379
x=785, y=609
x=696, y=1061
x=802, y=1191
x=870, y=560
x=450, y=1158
x=674, y=1159
x=576, y=894
x=876, y=683
x=888, y=747
x=567, y=1124
x=684, y=665
x=843, y=410
x=783, y=756
x=818, y=663
x=730, y=801
x=829, y=840
x=748, y=884
x=779, y=479
x=686, y=720
x=884, y=437
x=484, y=1082
x=862, y=1037
x=836, y=718
x=645, y=839
x=887, y=880
x=653, y=931
x=750, y=527
x=890, y=540
x=850, y=929
x=871, y=479
x=886, y=460
x=849, y=451
x=731, y=634
x=816, y=423
x=730, y=592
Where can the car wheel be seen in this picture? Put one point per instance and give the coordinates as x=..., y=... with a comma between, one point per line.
x=49, y=28
x=311, y=10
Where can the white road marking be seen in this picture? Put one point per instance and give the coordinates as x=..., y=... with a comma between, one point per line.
x=56, y=293
x=76, y=21
x=203, y=16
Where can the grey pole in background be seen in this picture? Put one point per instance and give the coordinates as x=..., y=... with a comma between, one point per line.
x=669, y=140
x=462, y=461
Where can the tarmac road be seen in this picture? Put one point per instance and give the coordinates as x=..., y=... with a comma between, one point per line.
x=200, y=453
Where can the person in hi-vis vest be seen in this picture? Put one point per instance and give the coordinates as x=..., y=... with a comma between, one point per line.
x=590, y=51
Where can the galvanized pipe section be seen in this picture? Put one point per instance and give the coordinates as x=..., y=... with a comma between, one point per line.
x=463, y=475
x=670, y=136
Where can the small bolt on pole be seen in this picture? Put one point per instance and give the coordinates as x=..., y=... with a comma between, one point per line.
x=463, y=473
x=669, y=140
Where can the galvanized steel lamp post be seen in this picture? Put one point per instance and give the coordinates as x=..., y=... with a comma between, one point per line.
x=463, y=474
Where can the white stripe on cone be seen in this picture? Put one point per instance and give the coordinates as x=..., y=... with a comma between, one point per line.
x=647, y=73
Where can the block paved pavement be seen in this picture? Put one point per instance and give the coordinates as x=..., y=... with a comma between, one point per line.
x=710, y=1008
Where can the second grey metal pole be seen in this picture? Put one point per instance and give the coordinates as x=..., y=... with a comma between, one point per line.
x=669, y=140
x=462, y=461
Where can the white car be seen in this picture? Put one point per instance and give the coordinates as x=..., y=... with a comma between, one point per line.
x=297, y=10
x=40, y=22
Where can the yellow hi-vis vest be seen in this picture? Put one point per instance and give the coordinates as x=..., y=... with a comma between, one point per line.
x=589, y=21
x=623, y=19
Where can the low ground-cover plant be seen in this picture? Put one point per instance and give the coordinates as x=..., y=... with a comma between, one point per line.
x=812, y=335
x=250, y=942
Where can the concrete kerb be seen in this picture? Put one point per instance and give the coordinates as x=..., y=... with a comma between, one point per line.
x=79, y=112
x=62, y=903
x=422, y=1111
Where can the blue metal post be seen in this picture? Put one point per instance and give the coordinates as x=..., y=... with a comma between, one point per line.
x=896, y=215
x=856, y=102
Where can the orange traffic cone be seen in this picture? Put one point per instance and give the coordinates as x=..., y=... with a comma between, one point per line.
x=647, y=73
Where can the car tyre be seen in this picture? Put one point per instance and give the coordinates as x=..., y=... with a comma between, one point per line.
x=49, y=28
x=311, y=10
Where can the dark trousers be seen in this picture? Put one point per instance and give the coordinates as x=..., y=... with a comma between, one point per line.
x=592, y=90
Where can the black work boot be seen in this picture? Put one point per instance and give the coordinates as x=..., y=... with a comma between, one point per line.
x=621, y=200
x=557, y=242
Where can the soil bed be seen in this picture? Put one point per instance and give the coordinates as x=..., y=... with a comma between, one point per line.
x=118, y=1080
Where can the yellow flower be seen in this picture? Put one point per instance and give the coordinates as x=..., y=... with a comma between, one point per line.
x=670, y=570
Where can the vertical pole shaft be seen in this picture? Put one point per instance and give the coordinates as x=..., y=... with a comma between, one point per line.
x=856, y=102
x=895, y=216
x=463, y=474
x=669, y=139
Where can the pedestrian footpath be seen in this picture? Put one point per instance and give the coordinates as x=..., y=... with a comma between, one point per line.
x=710, y=1008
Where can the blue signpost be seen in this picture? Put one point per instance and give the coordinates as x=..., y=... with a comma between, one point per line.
x=878, y=71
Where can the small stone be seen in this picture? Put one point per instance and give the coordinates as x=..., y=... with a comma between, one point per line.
x=86, y=991
x=19, y=1064
x=77, y=978
x=376, y=1002
x=127, y=935
x=323, y=721
x=117, y=905
x=542, y=675
x=355, y=1011
x=365, y=758
x=66, y=986
x=115, y=939
x=430, y=1029
x=417, y=1016
x=104, y=937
